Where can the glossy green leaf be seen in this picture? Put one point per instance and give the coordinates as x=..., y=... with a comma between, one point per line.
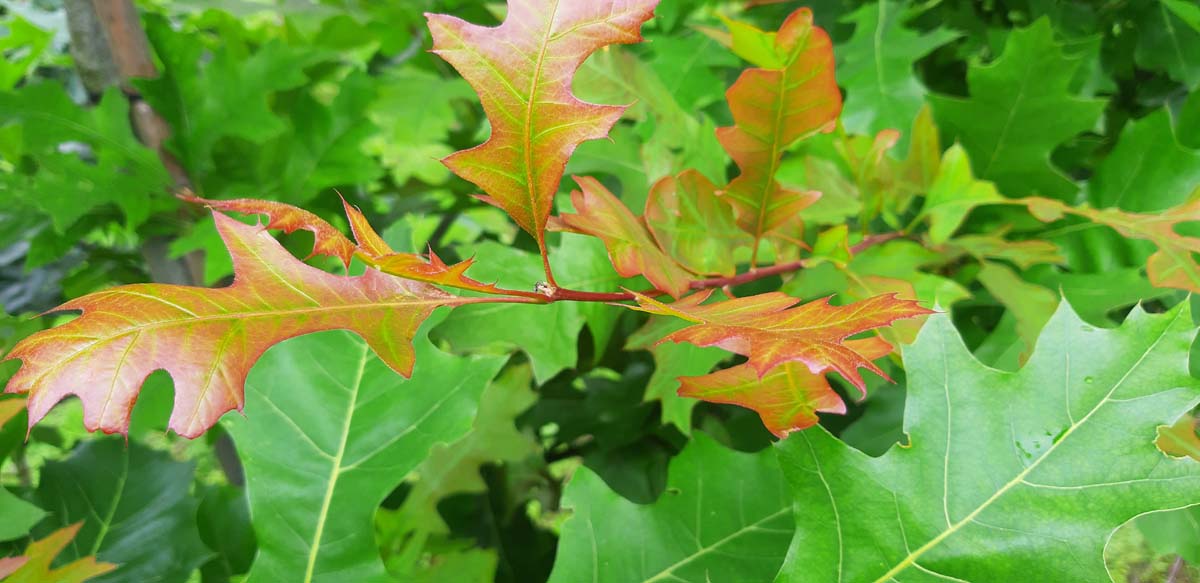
x=1167, y=42
x=1030, y=110
x=1006, y=474
x=329, y=431
x=723, y=517
x=136, y=508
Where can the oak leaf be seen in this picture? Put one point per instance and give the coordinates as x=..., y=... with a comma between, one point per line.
x=787, y=397
x=327, y=240
x=208, y=339
x=522, y=71
x=374, y=251
x=33, y=566
x=793, y=96
x=630, y=245
x=771, y=329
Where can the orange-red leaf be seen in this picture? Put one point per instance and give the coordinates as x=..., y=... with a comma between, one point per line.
x=34, y=564
x=522, y=71
x=773, y=108
x=693, y=224
x=770, y=329
x=208, y=339
x=787, y=397
x=327, y=240
x=629, y=244
x=375, y=252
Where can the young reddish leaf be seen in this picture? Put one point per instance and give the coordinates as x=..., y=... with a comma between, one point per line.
x=327, y=240
x=693, y=224
x=787, y=397
x=772, y=108
x=629, y=244
x=34, y=565
x=1180, y=439
x=369, y=242
x=522, y=71
x=208, y=339
x=770, y=329
x=375, y=252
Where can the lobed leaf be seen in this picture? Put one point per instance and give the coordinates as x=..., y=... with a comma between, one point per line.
x=327, y=240
x=208, y=339
x=33, y=566
x=1001, y=476
x=633, y=251
x=1030, y=109
x=724, y=517
x=794, y=95
x=787, y=397
x=771, y=329
x=319, y=462
x=522, y=71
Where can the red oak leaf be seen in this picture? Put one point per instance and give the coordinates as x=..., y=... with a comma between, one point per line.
x=327, y=240
x=787, y=397
x=208, y=339
x=795, y=96
x=770, y=329
x=629, y=244
x=522, y=71
x=375, y=252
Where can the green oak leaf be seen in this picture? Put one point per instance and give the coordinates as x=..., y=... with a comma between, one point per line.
x=19, y=516
x=105, y=164
x=1005, y=474
x=723, y=517
x=23, y=46
x=1173, y=532
x=955, y=192
x=205, y=98
x=685, y=64
x=1031, y=304
x=330, y=431
x=136, y=508
x=415, y=125
x=1030, y=110
x=875, y=67
x=1166, y=42
x=1095, y=295
x=1148, y=170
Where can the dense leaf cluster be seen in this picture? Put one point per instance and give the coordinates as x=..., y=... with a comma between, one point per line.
x=643, y=359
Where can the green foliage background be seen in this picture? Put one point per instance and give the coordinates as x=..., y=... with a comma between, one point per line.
x=461, y=473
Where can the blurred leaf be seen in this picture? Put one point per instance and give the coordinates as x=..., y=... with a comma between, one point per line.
x=19, y=515
x=224, y=521
x=494, y=438
x=415, y=125
x=723, y=517
x=672, y=361
x=78, y=160
x=38, y=556
x=320, y=461
x=1148, y=170
x=1031, y=304
x=23, y=46
x=1030, y=111
x=136, y=506
x=1165, y=41
x=1173, y=532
